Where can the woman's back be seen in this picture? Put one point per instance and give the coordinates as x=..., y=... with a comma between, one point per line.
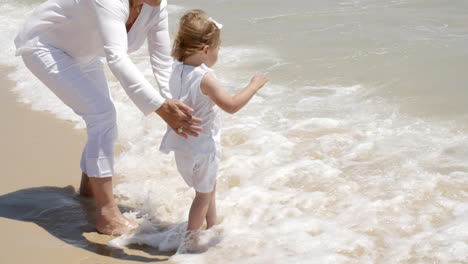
x=64, y=24
x=71, y=26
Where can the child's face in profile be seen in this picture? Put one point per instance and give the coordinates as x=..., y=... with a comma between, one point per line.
x=212, y=55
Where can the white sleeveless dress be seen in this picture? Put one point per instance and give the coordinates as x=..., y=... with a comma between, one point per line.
x=197, y=158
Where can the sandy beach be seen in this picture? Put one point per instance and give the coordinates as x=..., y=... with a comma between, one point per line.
x=42, y=219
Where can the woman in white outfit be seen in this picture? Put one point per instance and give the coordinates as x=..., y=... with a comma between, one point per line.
x=61, y=43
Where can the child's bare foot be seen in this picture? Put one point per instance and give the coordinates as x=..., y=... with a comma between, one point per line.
x=190, y=244
x=193, y=249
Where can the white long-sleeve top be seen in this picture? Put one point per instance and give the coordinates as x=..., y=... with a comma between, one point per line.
x=85, y=29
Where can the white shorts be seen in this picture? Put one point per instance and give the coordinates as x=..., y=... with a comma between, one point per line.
x=198, y=170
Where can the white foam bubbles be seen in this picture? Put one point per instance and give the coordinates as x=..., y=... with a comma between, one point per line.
x=149, y=234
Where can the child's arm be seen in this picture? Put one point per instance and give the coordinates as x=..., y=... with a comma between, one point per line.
x=231, y=104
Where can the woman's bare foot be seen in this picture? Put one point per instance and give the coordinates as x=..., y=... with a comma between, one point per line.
x=109, y=220
x=85, y=187
x=115, y=224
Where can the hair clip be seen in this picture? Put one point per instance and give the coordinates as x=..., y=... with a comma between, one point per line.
x=218, y=25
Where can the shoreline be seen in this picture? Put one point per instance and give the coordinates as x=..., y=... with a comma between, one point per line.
x=42, y=218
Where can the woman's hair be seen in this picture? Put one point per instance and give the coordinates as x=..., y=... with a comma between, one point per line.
x=195, y=32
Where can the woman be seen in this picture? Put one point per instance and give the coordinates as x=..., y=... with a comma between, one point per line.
x=61, y=43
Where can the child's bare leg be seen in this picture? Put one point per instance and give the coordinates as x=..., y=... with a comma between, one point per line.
x=197, y=215
x=211, y=218
x=198, y=211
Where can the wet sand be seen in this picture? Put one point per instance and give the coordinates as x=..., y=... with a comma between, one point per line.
x=42, y=219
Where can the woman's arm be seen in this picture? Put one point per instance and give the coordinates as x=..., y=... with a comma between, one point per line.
x=111, y=16
x=159, y=48
x=231, y=104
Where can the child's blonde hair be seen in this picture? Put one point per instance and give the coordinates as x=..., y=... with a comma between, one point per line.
x=195, y=32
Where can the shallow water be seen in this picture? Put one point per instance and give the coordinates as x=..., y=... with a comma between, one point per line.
x=354, y=152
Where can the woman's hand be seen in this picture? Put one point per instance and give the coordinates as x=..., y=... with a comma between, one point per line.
x=178, y=116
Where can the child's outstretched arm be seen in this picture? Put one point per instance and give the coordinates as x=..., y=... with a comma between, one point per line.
x=231, y=104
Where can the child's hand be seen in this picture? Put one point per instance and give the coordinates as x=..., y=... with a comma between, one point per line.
x=258, y=81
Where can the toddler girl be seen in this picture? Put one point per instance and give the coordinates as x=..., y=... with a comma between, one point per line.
x=193, y=82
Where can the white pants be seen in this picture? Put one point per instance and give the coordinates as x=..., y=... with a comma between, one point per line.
x=84, y=89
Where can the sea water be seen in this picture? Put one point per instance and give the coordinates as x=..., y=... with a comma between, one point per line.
x=354, y=152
